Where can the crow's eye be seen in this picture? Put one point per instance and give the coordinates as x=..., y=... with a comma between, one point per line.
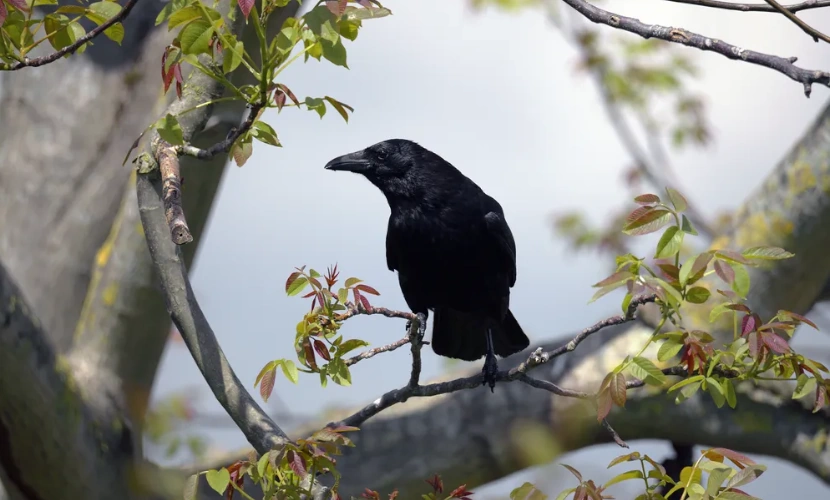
x=381, y=155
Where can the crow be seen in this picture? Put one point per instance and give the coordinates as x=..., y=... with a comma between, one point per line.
x=452, y=248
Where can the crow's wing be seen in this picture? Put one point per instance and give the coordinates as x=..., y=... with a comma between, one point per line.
x=497, y=227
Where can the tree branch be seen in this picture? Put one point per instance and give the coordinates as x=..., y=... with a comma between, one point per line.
x=782, y=65
x=70, y=49
x=814, y=33
x=750, y=7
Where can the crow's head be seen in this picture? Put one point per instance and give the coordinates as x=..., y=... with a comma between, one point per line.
x=381, y=163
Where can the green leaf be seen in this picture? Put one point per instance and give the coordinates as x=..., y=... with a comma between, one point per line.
x=233, y=57
x=317, y=17
x=746, y=475
x=348, y=29
x=290, y=371
x=731, y=397
x=61, y=32
x=101, y=12
x=195, y=37
x=270, y=366
x=804, y=386
x=297, y=286
x=741, y=283
x=685, y=382
x=714, y=388
x=242, y=149
x=697, y=295
x=716, y=477
x=184, y=16
x=353, y=13
x=169, y=130
x=563, y=495
x=767, y=253
x=686, y=226
x=218, y=480
x=316, y=104
x=336, y=53
x=677, y=199
x=340, y=107
x=632, y=474
x=350, y=345
x=191, y=487
x=693, y=267
x=645, y=370
x=669, y=243
x=265, y=133
x=527, y=491
x=668, y=350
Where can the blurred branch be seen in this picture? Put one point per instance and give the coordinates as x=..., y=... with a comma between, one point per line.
x=71, y=48
x=750, y=7
x=814, y=33
x=680, y=36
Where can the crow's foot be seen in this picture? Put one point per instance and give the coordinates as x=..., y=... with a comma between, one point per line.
x=490, y=371
x=422, y=325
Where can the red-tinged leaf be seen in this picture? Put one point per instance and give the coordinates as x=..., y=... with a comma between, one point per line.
x=20, y=5
x=359, y=298
x=266, y=384
x=371, y=494
x=670, y=270
x=737, y=458
x=297, y=103
x=733, y=256
x=344, y=428
x=337, y=7
x=573, y=471
x=614, y=279
x=245, y=6
x=166, y=73
x=775, y=343
x=322, y=350
x=820, y=400
x=436, y=483
x=739, y=307
x=754, y=344
x=177, y=73
x=297, y=463
x=309, y=294
x=618, y=390
x=647, y=199
x=651, y=221
x=367, y=289
x=291, y=279
x=637, y=213
x=393, y=495
x=604, y=404
x=581, y=492
x=279, y=99
x=749, y=324
x=724, y=272
x=460, y=492
x=309, y=354
x=797, y=317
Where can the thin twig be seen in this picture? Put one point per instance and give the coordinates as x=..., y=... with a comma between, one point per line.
x=352, y=310
x=616, y=437
x=785, y=66
x=536, y=358
x=754, y=7
x=377, y=350
x=225, y=145
x=70, y=49
x=814, y=33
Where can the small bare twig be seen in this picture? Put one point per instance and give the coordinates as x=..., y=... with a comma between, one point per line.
x=352, y=310
x=377, y=350
x=171, y=193
x=814, y=33
x=785, y=66
x=616, y=437
x=225, y=145
x=70, y=49
x=754, y=7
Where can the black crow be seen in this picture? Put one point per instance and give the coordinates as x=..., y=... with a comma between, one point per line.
x=452, y=249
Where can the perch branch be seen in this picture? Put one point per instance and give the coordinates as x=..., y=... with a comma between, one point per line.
x=814, y=33
x=70, y=49
x=785, y=66
x=225, y=145
x=171, y=189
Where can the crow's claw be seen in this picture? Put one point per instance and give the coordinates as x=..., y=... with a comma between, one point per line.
x=490, y=371
x=422, y=326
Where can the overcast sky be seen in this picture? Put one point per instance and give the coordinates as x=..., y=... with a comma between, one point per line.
x=495, y=94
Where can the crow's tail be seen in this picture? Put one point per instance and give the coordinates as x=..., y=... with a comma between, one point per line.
x=463, y=335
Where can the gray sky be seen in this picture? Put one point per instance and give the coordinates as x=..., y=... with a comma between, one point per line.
x=495, y=94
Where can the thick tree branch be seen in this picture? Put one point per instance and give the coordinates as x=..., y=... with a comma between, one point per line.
x=53, y=428
x=71, y=48
x=258, y=428
x=782, y=65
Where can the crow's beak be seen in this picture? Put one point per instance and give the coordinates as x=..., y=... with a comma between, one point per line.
x=352, y=162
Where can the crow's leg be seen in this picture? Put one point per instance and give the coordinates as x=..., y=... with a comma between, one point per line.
x=422, y=324
x=491, y=366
